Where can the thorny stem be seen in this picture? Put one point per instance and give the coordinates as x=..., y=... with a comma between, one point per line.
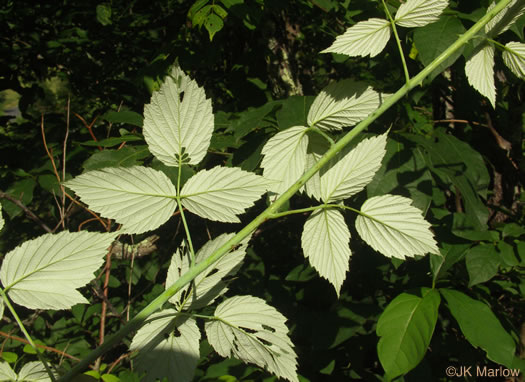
x=187, y=277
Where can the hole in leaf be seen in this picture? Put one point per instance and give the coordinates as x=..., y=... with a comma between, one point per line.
x=177, y=333
x=181, y=96
x=268, y=328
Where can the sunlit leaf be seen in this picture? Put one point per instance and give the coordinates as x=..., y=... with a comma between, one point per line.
x=139, y=198
x=418, y=13
x=285, y=158
x=168, y=346
x=405, y=329
x=209, y=284
x=178, y=123
x=2, y=221
x=33, y=372
x=6, y=373
x=45, y=273
x=325, y=241
x=505, y=18
x=353, y=171
x=222, y=193
x=341, y=104
x=393, y=227
x=362, y=39
x=246, y=328
x=480, y=72
x=514, y=58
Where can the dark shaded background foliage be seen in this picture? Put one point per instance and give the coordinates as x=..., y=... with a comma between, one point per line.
x=55, y=54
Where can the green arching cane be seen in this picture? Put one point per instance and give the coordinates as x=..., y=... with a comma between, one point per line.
x=272, y=210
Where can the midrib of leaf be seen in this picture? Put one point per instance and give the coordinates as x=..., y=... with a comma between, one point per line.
x=215, y=190
x=43, y=267
x=251, y=335
x=138, y=193
x=384, y=224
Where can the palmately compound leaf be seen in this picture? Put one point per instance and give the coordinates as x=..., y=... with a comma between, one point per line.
x=285, y=158
x=418, y=13
x=139, y=198
x=405, y=329
x=6, y=373
x=353, y=171
x=222, y=193
x=343, y=103
x=33, y=372
x=514, y=58
x=211, y=283
x=44, y=273
x=168, y=346
x=325, y=241
x=246, y=328
x=480, y=72
x=362, y=39
x=395, y=228
x=505, y=18
x=178, y=123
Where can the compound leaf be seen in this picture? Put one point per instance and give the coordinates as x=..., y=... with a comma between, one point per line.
x=514, y=58
x=325, y=242
x=405, y=329
x=481, y=327
x=248, y=329
x=480, y=72
x=168, y=346
x=393, y=227
x=362, y=39
x=211, y=283
x=45, y=272
x=342, y=103
x=139, y=198
x=285, y=158
x=178, y=123
x=418, y=13
x=353, y=171
x=222, y=193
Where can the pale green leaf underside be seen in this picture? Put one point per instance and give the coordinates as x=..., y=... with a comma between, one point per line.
x=405, y=329
x=164, y=351
x=362, y=39
x=139, y=198
x=317, y=146
x=343, y=103
x=285, y=158
x=490, y=27
x=480, y=73
x=325, y=241
x=6, y=373
x=222, y=193
x=514, y=58
x=354, y=170
x=45, y=272
x=246, y=328
x=33, y=372
x=179, y=120
x=211, y=283
x=418, y=13
x=393, y=227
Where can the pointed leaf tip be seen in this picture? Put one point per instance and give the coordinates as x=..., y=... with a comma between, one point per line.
x=178, y=122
